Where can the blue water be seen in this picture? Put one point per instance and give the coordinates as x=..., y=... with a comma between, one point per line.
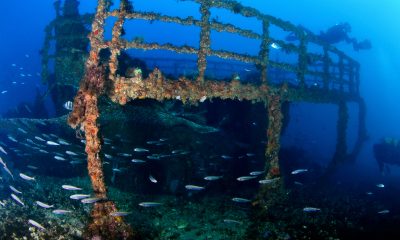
x=312, y=127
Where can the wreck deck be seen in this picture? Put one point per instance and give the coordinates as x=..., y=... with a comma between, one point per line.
x=314, y=72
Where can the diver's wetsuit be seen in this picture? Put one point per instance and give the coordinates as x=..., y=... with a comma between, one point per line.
x=336, y=34
x=386, y=154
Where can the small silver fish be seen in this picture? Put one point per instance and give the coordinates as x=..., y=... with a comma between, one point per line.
x=230, y=221
x=75, y=162
x=298, y=183
x=40, y=139
x=384, y=211
x=212, y=178
x=90, y=200
x=311, y=209
x=241, y=200
x=297, y=171
x=256, y=173
x=202, y=99
x=194, y=187
x=153, y=157
x=226, y=157
x=141, y=150
x=152, y=179
x=250, y=154
x=51, y=143
x=8, y=171
x=380, y=185
x=150, y=204
x=61, y=211
x=124, y=154
x=63, y=142
x=68, y=105
x=275, y=46
x=22, y=130
x=71, y=153
x=14, y=189
x=138, y=161
x=2, y=150
x=2, y=162
x=79, y=196
x=17, y=199
x=120, y=214
x=71, y=188
x=11, y=138
x=44, y=205
x=58, y=158
x=26, y=177
x=43, y=151
x=268, y=181
x=36, y=224
x=369, y=193
x=245, y=178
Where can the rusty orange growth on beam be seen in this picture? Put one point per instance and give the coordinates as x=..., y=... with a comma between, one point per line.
x=275, y=120
x=156, y=86
x=84, y=116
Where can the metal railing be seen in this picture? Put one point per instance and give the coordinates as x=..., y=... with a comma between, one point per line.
x=340, y=76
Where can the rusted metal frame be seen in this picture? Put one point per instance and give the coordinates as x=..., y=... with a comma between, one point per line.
x=84, y=116
x=341, y=128
x=351, y=78
x=156, y=86
x=190, y=21
x=85, y=110
x=156, y=46
x=302, y=61
x=362, y=130
x=236, y=56
x=275, y=121
x=236, y=7
x=264, y=51
x=205, y=40
x=341, y=73
x=115, y=45
x=357, y=79
x=222, y=27
x=45, y=51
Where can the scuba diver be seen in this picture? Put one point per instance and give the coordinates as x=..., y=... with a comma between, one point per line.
x=387, y=152
x=335, y=34
x=339, y=33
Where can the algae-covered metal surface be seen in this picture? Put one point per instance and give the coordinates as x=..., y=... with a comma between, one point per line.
x=124, y=111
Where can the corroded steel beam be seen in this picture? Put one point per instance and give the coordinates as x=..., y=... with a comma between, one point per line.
x=156, y=86
x=84, y=116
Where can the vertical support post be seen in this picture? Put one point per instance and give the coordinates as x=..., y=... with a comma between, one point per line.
x=205, y=39
x=264, y=51
x=302, y=61
x=115, y=47
x=351, y=78
x=362, y=130
x=341, y=73
x=341, y=141
x=357, y=79
x=84, y=116
x=275, y=119
x=327, y=61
